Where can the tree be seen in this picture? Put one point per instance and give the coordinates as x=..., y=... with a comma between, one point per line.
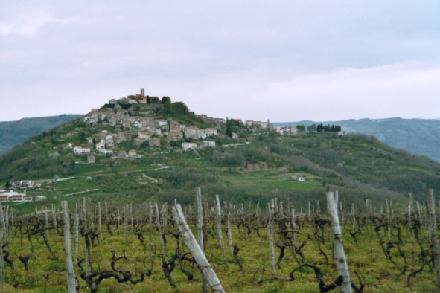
x=301, y=128
x=8, y=185
x=311, y=128
x=154, y=100
x=166, y=100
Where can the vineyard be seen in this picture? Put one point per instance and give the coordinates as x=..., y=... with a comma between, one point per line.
x=250, y=247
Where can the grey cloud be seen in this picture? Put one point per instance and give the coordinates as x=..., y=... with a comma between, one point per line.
x=207, y=52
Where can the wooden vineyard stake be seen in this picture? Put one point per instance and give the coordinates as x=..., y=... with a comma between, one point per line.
x=67, y=245
x=54, y=219
x=219, y=229
x=125, y=225
x=270, y=231
x=75, y=234
x=200, y=231
x=195, y=250
x=339, y=254
x=99, y=220
x=199, y=218
x=161, y=241
x=231, y=248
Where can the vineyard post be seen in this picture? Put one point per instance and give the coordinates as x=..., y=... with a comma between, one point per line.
x=196, y=250
x=388, y=220
x=99, y=220
x=199, y=218
x=200, y=231
x=75, y=234
x=125, y=225
x=336, y=197
x=353, y=214
x=162, y=244
x=231, y=249
x=270, y=231
x=433, y=237
x=165, y=218
x=70, y=272
x=205, y=212
x=54, y=219
x=294, y=230
x=131, y=218
x=341, y=262
x=84, y=206
x=219, y=229
x=308, y=219
x=205, y=223
x=86, y=237
x=92, y=215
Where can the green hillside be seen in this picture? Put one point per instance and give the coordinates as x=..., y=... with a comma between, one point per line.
x=257, y=165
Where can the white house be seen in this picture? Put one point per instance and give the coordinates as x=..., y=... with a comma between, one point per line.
x=12, y=196
x=100, y=145
x=161, y=123
x=78, y=150
x=207, y=143
x=105, y=151
x=24, y=184
x=189, y=145
x=210, y=131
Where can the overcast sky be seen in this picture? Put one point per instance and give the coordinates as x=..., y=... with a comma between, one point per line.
x=277, y=60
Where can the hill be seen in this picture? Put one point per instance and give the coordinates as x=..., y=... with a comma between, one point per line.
x=161, y=151
x=16, y=132
x=417, y=136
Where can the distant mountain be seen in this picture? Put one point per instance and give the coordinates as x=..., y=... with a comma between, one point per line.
x=417, y=136
x=13, y=133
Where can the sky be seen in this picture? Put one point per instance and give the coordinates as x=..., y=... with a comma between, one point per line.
x=278, y=60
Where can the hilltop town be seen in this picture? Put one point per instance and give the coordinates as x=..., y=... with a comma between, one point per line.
x=140, y=119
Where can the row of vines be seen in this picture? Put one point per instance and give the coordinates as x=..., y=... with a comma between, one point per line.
x=220, y=247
